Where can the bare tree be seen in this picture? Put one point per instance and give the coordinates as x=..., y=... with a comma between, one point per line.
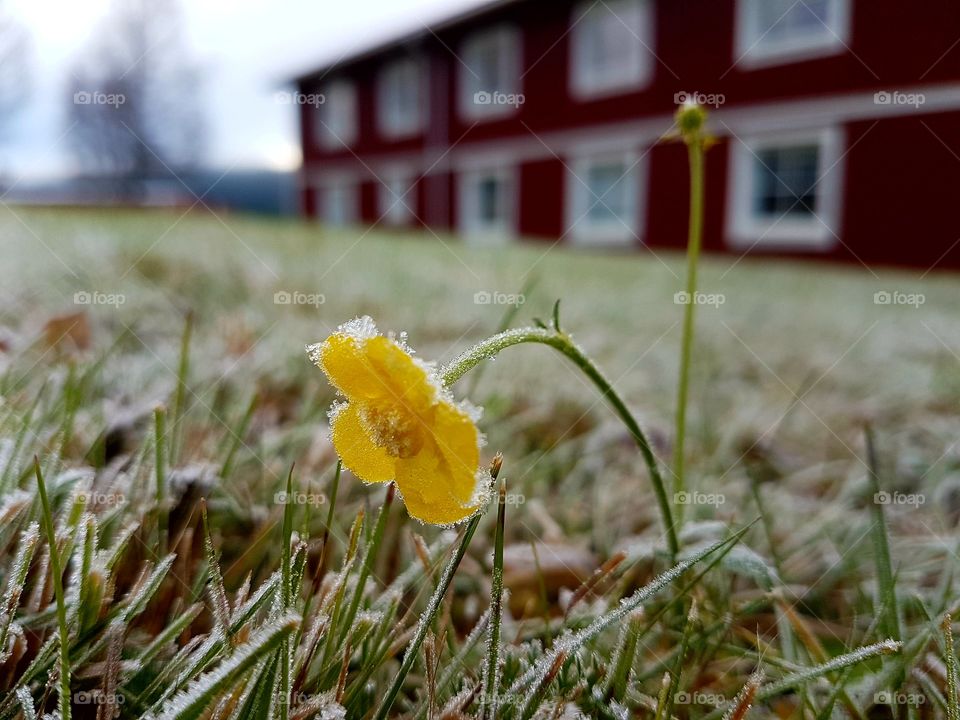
x=14, y=66
x=135, y=105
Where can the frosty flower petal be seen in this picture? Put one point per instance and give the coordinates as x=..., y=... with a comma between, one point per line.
x=429, y=491
x=458, y=441
x=357, y=449
x=407, y=379
x=400, y=424
x=342, y=358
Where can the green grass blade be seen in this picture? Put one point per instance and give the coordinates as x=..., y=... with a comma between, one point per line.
x=179, y=398
x=491, y=678
x=574, y=642
x=286, y=593
x=881, y=544
x=218, y=593
x=191, y=703
x=950, y=655
x=16, y=579
x=64, y=641
x=369, y=556
x=806, y=675
x=160, y=480
x=423, y=625
x=236, y=437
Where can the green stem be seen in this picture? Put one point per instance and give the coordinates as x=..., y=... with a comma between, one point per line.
x=563, y=343
x=695, y=151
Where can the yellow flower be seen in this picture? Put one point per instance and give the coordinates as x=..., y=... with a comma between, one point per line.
x=400, y=424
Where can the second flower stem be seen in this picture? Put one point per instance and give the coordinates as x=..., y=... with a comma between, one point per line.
x=696, y=153
x=562, y=342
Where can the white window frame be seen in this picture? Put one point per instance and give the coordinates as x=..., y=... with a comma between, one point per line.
x=337, y=133
x=391, y=123
x=396, y=206
x=753, y=52
x=818, y=232
x=469, y=225
x=587, y=82
x=509, y=52
x=581, y=229
x=350, y=186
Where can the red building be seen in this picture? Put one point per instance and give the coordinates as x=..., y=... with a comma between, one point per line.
x=838, y=126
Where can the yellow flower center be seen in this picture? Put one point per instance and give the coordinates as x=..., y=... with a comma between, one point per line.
x=394, y=429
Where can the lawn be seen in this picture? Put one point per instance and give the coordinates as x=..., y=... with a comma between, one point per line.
x=793, y=362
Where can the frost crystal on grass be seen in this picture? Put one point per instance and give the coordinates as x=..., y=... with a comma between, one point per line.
x=201, y=691
x=321, y=707
x=14, y=502
x=570, y=643
x=26, y=702
x=16, y=576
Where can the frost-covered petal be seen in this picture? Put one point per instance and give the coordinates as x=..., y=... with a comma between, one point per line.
x=459, y=442
x=343, y=357
x=410, y=384
x=356, y=448
x=439, y=484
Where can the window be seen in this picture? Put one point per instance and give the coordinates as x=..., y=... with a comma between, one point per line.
x=486, y=204
x=336, y=124
x=785, y=181
x=396, y=198
x=780, y=31
x=603, y=199
x=786, y=190
x=400, y=98
x=490, y=74
x=611, y=47
x=338, y=202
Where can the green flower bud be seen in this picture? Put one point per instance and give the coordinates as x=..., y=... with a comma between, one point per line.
x=691, y=118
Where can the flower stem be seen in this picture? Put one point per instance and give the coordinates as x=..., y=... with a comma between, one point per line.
x=696, y=153
x=563, y=343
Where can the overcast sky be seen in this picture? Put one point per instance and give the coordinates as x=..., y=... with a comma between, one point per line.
x=246, y=48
